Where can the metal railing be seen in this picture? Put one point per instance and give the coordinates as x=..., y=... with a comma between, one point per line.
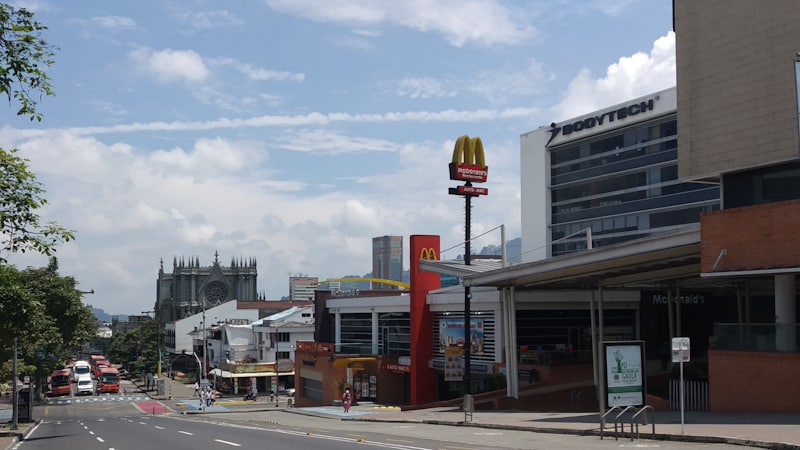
x=695, y=395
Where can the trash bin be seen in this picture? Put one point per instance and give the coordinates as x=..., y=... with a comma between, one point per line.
x=469, y=406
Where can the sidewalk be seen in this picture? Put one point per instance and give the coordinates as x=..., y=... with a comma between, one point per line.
x=774, y=431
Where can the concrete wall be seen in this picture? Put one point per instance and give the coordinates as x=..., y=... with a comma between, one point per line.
x=745, y=382
x=737, y=104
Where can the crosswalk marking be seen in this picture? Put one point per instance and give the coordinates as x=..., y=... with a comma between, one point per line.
x=123, y=398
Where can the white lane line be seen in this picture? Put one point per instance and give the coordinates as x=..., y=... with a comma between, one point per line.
x=92, y=433
x=142, y=423
x=234, y=444
x=159, y=428
x=186, y=433
x=100, y=439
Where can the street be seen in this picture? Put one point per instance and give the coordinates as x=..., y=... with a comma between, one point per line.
x=122, y=425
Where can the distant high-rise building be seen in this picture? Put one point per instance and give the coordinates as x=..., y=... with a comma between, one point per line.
x=302, y=287
x=387, y=260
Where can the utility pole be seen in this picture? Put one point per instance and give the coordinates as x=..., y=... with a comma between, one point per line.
x=15, y=394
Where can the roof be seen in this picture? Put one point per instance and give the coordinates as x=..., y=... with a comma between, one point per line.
x=656, y=260
x=281, y=316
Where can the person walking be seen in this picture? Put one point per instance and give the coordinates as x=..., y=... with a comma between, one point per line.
x=346, y=399
x=197, y=388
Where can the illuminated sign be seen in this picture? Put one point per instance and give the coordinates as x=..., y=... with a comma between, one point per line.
x=427, y=254
x=469, y=161
x=468, y=190
x=469, y=165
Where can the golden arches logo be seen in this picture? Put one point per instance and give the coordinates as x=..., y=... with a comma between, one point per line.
x=428, y=254
x=469, y=160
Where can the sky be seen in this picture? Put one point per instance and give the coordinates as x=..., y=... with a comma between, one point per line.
x=292, y=132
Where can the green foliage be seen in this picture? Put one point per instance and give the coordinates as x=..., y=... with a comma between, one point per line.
x=24, y=56
x=137, y=350
x=44, y=312
x=21, y=195
x=23, y=369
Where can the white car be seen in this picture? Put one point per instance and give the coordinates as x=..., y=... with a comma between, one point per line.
x=85, y=385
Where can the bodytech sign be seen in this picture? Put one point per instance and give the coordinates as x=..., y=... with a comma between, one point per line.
x=613, y=118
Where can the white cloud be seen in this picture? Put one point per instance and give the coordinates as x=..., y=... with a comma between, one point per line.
x=259, y=74
x=423, y=88
x=114, y=22
x=171, y=65
x=207, y=20
x=331, y=142
x=460, y=21
x=630, y=77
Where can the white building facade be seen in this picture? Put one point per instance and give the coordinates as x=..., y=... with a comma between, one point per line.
x=606, y=177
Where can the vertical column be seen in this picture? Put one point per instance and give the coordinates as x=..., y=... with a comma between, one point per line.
x=337, y=331
x=375, y=333
x=785, y=312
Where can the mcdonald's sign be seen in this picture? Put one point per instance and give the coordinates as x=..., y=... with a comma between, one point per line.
x=428, y=254
x=469, y=161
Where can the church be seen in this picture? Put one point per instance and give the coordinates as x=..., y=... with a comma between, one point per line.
x=190, y=287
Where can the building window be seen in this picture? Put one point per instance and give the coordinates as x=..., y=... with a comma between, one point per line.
x=282, y=355
x=357, y=333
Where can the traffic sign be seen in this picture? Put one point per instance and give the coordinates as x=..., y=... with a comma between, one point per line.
x=681, y=349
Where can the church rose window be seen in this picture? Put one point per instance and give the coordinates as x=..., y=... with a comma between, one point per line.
x=216, y=292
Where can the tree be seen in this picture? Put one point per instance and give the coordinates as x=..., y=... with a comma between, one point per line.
x=137, y=349
x=21, y=195
x=44, y=312
x=23, y=57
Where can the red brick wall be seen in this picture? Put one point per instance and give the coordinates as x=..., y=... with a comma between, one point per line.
x=753, y=382
x=756, y=237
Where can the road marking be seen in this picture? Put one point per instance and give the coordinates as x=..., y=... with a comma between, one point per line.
x=142, y=423
x=234, y=444
x=92, y=433
x=186, y=433
x=100, y=439
x=159, y=428
x=488, y=433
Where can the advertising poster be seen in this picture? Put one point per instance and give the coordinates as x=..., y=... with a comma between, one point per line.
x=451, y=333
x=624, y=373
x=453, y=371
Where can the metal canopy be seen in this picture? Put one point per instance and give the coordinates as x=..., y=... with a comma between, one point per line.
x=653, y=261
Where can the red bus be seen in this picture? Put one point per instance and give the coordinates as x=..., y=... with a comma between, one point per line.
x=60, y=383
x=108, y=380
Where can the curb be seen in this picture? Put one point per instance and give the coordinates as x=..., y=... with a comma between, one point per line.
x=567, y=431
x=20, y=435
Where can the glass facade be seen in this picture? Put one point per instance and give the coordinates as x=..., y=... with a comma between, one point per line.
x=622, y=185
x=394, y=333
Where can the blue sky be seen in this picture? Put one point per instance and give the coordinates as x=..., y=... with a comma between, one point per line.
x=294, y=131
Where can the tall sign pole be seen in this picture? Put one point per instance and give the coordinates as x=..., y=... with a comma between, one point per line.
x=468, y=165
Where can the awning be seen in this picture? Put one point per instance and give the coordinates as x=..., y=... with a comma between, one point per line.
x=226, y=374
x=344, y=362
